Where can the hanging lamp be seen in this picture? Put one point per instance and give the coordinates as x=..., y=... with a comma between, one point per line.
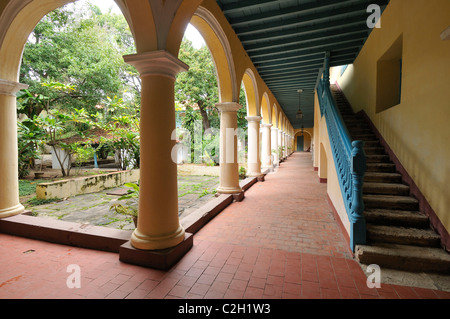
x=299, y=114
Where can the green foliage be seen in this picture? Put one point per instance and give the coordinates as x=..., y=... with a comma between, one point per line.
x=83, y=153
x=204, y=193
x=280, y=151
x=132, y=192
x=37, y=202
x=242, y=172
x=29, y=138
x=27, y=187
x=197, y=92
x=130, y=208
x=198, y=86
x=124, y=140
x=81, y=49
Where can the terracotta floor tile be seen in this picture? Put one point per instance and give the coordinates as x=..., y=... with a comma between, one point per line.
x=293, y=289
x=179, y=291
x=281, y=241
x=253, y=293
x=224, y=277
x=257, y=282
x=233, y=294
x=238, y=284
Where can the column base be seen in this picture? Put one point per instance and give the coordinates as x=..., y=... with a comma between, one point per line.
x=143, y=242
x=238, y=193
x=12, y=211
x=259, y=176
x=267, y=168
x=162, y=259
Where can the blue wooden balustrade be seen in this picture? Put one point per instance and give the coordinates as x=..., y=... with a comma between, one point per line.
x=350, y=162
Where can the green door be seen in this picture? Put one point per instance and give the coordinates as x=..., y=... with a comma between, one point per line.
x=300, y=143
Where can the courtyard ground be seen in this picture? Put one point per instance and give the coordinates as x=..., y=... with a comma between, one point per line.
x=281, y=242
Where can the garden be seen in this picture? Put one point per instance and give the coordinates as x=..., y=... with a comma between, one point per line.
x=79, y=116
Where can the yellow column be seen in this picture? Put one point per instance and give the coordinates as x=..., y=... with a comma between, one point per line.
x=9, y=185
x=280, y=142
x=229, y=166
x=254, y=160
x=266, y=147
x=158, y=223
x=285, y=143
x=274, y=144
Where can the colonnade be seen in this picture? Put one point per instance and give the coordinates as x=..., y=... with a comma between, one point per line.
x=157, y=42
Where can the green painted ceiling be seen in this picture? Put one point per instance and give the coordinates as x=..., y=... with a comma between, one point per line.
x=287, y=41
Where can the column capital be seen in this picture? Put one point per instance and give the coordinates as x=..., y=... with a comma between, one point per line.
x=159, y=62
x=274, y=128
x=266, y=125
x=228, y=106
x=253, y=118
x=10, y=87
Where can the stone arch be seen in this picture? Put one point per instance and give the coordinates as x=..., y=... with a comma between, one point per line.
x=218, y=44
x=20, y=17
x=307, y=138
x=251, y=93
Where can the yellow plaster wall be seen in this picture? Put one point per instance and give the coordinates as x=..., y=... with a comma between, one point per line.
x=323, y=158
x=417, y=129
x=307, y=141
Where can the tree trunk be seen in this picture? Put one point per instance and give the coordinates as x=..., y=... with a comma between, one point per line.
x=205, y=119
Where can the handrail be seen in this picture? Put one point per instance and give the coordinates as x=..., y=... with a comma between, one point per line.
x=350, y=163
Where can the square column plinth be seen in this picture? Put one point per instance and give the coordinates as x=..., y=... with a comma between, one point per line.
x=162, y=259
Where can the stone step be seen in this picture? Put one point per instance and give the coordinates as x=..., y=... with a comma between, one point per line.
x=356, y=125
x=373, y=143
x=403, y=257
x=360, y=131
x=377, y=158
x=402, y=235
x=381, y=167
x=374, y=150
x=350, y=118
x=377, y=177
x=386, y=189
x=396, y=218
x=364, y=137
x=391, y=202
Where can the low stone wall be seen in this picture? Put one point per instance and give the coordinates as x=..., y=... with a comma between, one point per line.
x=85, y=185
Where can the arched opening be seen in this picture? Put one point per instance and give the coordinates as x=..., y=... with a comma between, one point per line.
x=280, y=123
x=323, y=164
x=273, y=120
x=265, y=109
x=302, y=141
x=219, y=47
x=251, y=93
x=18, y=22
x=217, y=53
x=82, y=99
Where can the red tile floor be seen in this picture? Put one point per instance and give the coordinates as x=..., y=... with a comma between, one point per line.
x=280, y=242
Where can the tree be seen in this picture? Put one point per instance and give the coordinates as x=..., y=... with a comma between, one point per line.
x=83, y=49
x=198, y=87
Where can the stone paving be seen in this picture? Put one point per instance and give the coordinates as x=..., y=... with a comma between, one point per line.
x=193, y=192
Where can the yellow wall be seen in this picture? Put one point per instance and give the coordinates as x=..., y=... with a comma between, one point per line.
x=323, y=159
x=417, y=129
x=307, y=138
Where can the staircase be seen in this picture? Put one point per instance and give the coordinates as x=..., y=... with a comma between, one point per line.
x=399, y=236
